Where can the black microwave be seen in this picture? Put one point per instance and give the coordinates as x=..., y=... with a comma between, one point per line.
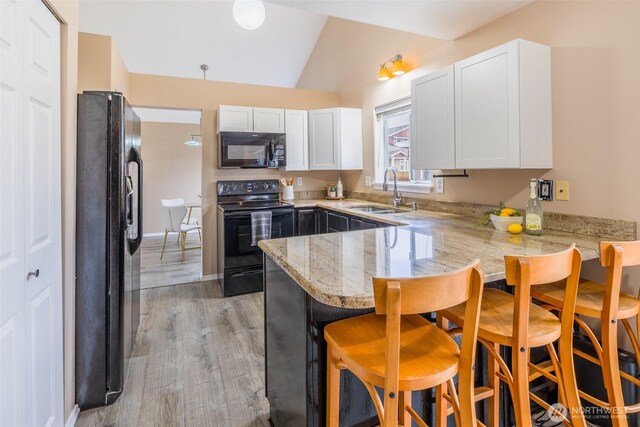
x=251, y=150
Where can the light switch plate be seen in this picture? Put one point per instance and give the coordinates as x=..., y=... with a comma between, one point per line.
x=367, y=181
x=299, y=180
x=440, y=185
x=562, y=190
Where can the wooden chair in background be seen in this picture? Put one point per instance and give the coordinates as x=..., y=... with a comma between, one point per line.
x=513, y=321
x=607, y=303
x=399, y=351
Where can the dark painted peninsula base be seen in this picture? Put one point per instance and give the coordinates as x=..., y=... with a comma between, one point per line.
x=296, y=358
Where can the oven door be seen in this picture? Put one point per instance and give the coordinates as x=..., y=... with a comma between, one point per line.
x=238, y=252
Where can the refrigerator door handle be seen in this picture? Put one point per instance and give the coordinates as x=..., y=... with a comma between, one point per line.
x=134, y=244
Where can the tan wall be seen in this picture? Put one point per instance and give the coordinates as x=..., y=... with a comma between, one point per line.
x=596, y=97
x=100, y=65
x=119, y=71
x=171, y=169
x=94, y=62
x=67, y=11
x=172, y=92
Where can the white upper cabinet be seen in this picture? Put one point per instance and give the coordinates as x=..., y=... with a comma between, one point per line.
x=235, y=119
x=503, y=108
x=249, y=119
x=493, y=113
x=432, y=121
x=297, y=148
x=270, y=120
x=335, y=139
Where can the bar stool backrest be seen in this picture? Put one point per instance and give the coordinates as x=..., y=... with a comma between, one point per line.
x=397, y=297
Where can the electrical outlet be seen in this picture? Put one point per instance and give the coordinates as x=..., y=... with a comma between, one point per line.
x=367, y=181
x=299, y=180
x=562, y=190
x=440, y=185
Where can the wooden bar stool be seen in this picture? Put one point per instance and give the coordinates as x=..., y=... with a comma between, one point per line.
x=513, y=321
x=399, y=351
x=607, y=303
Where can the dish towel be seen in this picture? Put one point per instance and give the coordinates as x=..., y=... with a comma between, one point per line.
x=260, y=226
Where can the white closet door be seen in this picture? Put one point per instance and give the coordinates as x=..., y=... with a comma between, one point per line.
x=13, y=398
x=33, y=181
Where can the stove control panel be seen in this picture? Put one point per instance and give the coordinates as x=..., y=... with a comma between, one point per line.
x=234, y=188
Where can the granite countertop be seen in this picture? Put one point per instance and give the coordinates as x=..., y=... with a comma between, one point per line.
x=336, y=269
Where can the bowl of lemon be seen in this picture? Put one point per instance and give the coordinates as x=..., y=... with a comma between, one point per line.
x=504, y=219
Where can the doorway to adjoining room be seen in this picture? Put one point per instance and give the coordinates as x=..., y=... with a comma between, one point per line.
x=171, y=251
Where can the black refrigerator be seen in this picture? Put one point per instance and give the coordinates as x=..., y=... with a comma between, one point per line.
x=108, y=237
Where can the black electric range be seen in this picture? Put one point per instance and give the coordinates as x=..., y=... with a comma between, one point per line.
x=240, y=263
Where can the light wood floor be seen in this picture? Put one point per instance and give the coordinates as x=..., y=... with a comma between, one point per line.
x=170, y=270
x=198, y=360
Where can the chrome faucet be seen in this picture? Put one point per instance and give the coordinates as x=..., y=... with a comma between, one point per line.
x=397, y=197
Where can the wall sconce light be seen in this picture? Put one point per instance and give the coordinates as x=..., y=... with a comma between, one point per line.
x=194, y=141
x=392, y=67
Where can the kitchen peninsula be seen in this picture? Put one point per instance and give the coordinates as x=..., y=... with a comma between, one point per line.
x=311, y=281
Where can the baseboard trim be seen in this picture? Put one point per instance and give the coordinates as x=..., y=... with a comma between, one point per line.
x=210, y=277
x=73, y=417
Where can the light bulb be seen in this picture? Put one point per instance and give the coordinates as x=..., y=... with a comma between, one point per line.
x=249, y=14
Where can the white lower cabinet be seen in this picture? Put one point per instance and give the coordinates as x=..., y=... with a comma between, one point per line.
x=502, y=103
x=335, y=139
x=297, y=131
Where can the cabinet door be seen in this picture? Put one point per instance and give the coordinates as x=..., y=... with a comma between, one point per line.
x=487, y=109
x=306, y=222
x=297, y=149
x=270, y=120
x=324, y=143
x=235, y=119
x=361, y=224
x=432, y=121
x=350, y=128
x=337, y=223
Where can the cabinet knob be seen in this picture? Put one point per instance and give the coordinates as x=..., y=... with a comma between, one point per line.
x=34, y=274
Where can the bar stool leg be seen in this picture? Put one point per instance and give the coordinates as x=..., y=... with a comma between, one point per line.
x=403, y=415
x=333, y=389
x=520, y=372
x=494, y=384
x=441, y=403
x=611, y=373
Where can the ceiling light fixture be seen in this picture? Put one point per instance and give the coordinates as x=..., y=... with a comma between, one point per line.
x=249, y=14
x=194, y=141
x=391, y=67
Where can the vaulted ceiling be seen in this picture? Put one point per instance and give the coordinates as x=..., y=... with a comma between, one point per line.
x=174, y=38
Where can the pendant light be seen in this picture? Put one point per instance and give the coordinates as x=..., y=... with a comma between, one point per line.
x=193, y=142
x=249, y=14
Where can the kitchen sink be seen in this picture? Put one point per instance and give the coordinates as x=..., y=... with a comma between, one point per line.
x=376, y=209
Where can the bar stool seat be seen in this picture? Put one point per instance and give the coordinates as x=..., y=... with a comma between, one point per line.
x=590, y=299
x=496, y=320
x=428, y=355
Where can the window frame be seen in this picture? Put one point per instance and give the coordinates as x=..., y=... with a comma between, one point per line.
x=381, y=112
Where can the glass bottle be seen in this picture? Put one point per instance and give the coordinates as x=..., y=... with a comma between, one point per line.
x=533, y=212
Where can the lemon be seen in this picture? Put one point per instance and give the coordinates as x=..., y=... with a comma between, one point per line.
x=514, y=228
x=507, y=212
x=504, y=213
